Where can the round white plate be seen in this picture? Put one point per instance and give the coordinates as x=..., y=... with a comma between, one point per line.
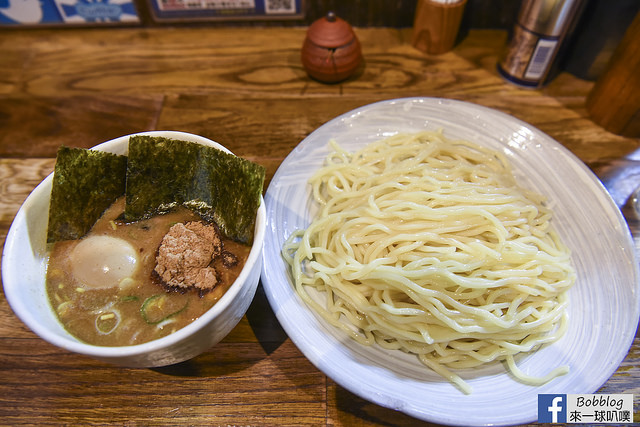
x=604, y=303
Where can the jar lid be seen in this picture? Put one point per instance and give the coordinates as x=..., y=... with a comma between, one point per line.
x=330, y=32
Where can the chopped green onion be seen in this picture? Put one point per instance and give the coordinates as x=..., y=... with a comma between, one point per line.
x=157, y=308
x=107, y=322
x=63, y=308
x=127, y=282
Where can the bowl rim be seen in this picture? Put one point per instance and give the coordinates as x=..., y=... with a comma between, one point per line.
x=68, y=341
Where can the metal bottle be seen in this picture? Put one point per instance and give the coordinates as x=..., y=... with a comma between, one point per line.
x=540, y=29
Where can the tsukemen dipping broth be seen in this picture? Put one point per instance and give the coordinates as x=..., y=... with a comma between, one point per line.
x=142, y=245
x=105, y=290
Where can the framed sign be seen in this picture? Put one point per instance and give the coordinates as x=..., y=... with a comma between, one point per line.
x=226, y=10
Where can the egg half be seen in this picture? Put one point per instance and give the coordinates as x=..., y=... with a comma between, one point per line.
x=101, y=262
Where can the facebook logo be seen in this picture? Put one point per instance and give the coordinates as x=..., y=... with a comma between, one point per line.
x=552, y=408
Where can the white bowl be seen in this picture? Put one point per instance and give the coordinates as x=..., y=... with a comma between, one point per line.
x=24, y=263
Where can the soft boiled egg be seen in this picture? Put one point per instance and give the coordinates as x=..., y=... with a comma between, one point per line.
x=103, y=261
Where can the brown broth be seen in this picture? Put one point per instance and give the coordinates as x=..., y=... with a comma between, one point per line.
x=79, y=307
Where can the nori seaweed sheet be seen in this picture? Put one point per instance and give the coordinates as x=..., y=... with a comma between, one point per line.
x=163, y=173
x=85, y=184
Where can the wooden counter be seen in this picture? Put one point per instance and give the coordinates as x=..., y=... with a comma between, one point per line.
x=245, y=88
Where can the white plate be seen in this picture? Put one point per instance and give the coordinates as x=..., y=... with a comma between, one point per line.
x=604, y=303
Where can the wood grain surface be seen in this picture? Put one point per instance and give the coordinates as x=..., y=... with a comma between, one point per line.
x=245, y=88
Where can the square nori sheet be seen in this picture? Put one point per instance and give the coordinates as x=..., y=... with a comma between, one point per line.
x=85, y=184
x=163, y=173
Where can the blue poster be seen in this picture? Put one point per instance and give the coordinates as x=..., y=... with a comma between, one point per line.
x=28, y=12
x=82, y=11
x=34, y=12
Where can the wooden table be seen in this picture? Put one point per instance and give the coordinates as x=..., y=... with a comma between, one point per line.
x=246, y=88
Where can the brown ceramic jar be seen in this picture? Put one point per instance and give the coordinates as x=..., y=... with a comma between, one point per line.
x=331, y=51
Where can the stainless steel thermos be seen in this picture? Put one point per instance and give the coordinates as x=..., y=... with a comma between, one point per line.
x=539, y=31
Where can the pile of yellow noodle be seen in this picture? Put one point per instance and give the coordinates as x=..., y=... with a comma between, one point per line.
x=428, y=245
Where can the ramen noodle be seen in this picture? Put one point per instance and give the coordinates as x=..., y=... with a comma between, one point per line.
x=428, y=245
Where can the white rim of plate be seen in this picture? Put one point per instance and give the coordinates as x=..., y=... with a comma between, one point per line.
x=399, y=381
